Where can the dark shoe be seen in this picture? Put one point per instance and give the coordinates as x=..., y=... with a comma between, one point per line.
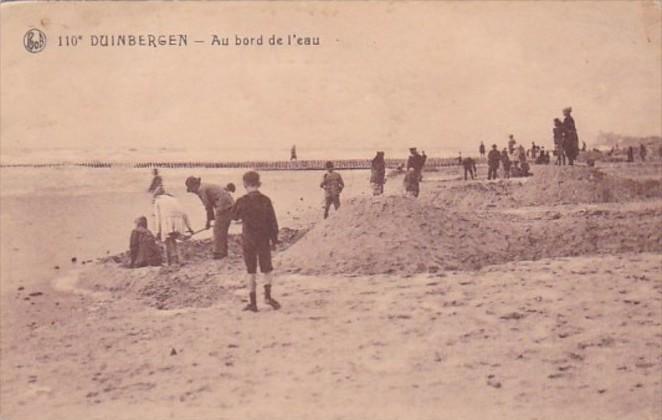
x=273, y=303
x=252, y=306
x=268, y=299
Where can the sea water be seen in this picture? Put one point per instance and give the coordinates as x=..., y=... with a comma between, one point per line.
x=50, y=215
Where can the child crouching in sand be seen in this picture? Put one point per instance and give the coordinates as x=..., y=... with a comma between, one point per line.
x=259, y=235
x=143, y=247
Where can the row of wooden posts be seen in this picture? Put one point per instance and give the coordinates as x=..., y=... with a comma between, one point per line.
x=293, y=165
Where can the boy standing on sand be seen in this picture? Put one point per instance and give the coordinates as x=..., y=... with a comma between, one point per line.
x=333, y=185
x=259, y=236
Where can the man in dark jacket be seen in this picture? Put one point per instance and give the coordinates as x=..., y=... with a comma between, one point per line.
x=559, y=148
x=570, y=137
x=493, y=159
x=415, y=161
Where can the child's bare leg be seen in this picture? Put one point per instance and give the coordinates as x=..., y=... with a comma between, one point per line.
x=252, y=285
x=168, y=245
x=178, y=251
x=268, y=279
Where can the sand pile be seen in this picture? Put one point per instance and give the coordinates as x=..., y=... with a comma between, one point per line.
x=471, y=196
x=387, y=234
x=200, y=282
x=576, y=184
x=550, y=185
x=397, y=235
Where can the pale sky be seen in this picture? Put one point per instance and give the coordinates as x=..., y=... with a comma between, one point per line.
x=440, y=75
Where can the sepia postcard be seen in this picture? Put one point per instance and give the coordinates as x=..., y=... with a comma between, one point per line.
x=330, y=210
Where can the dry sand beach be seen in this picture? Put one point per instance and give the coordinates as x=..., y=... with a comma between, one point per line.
x=537, y=298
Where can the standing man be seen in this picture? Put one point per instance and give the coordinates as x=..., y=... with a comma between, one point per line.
x=570, y=138
x=333, y=185
x=293, y=152
x=642, y=152
x=493, y=159
x=415, y=161
x=481, y=150
x=630, y=154
x=218, y=204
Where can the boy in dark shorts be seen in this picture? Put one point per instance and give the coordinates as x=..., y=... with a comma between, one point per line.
x=259, y=236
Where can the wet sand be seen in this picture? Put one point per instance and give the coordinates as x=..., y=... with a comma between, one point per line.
x=533, y=338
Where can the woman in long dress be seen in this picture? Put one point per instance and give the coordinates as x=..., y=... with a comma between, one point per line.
x=171, y=222
x=378, y=174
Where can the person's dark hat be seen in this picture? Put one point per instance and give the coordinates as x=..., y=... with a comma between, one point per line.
x=192, y=183
x=252, y=179
x=329, y=165
x=230, y=187
x=412, y=149
x=567, y=110
x=494, y=146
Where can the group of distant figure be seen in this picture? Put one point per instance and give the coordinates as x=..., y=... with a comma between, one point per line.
x=514, y=159
x=643, y=152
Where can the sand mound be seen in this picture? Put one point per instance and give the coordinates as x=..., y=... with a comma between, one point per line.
x=200, y=282
x=386, y=234
x=397, y=235
x=576, y=184
x=550, y=185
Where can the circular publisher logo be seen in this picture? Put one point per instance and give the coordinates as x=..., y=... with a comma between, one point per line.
x=34, y=41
